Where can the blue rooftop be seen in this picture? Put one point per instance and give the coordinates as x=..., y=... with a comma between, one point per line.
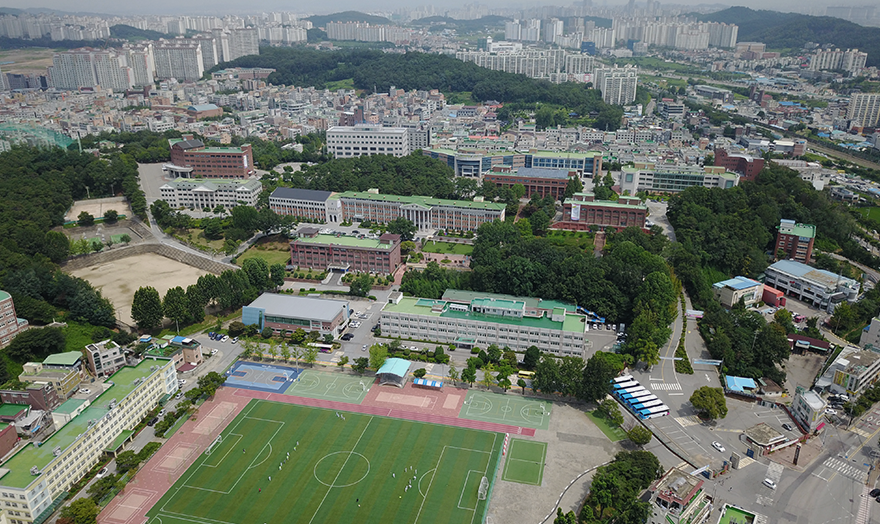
x=541, y=173
x=202, y=107
x=740, y=383
x=394, y=366
x=738, y=283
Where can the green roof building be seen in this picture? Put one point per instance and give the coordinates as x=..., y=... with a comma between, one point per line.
x=425, y=212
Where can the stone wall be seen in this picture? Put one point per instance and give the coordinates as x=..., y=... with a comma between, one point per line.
x=166, y=251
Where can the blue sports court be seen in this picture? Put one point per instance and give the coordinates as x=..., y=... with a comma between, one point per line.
x=261, y=377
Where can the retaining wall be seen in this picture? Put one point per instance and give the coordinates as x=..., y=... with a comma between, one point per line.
x=166, y=251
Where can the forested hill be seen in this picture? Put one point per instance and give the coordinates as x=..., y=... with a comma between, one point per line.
x=792, y=30
x=127, y=32
x=374, y=70
x=348, y=16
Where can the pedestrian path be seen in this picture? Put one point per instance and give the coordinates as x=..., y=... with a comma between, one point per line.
x=864, y=507
x=862, y=432
x=847, y=470
x=663, y=386
x=691, y=420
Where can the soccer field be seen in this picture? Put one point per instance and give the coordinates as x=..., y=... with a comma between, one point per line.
x=527, y=412
x=360, y=468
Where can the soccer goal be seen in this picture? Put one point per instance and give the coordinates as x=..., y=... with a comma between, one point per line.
x=217, y=440
x=483, y=492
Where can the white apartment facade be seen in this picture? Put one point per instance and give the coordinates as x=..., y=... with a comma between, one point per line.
x=87, y=68
x=864, y=108
x=197, y=193
x=852, y=60
x=618, y=84
x=361, y=140
x=179, y=59
x=36, y=476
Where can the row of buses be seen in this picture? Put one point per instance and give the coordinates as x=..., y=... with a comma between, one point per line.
x=639, y=400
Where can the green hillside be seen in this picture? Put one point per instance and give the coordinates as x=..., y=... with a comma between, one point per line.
x=127, y=32
x=792, y=30
x=347, y=16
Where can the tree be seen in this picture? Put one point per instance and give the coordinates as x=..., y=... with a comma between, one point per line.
x=565, y=518
x=285, y=353
x=111, y=216
x=407, y=247
x=328, y=338
x=469, y=375
x=548, y=376
x=540, y=222
x=378, y=355
x=213, y=228
x=488, y=377
x=523, y=384
x=611, y=411
x=195, y=303
x=267, y=332
x=257, y=271
x=710, y=402
x=503, y=377
x=453, y=374
x=420, y=373
x=360, y=365
x=298, y=336
x=273, y=349
x=596, y=379
x=311, y=356
x=56, y=246
x=175, y=306
x=574, y=186
x=126, y=461
x=342, y=362
x=146, y=308
x=36, y=344
x=361, y=284
x=403, y=227
x=80, y=511
x=639, y=435
x=494, y=352
x=277, y=272
x=85, y=219
x=531, y=357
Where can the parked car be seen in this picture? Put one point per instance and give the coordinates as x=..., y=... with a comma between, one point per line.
x=718, y=446
x=364, y=348
x=374, y=328
x=85, y=391
x=235, y=340
x=162, y=413
x=181, y=382
x=875, y=492
x=178, y=396
x=153, y=421
x=831, y=412
x=787, y=427
x=769, y=483
x=101, y=474
x=225, y=338
x=347, y=336
x=214, y=351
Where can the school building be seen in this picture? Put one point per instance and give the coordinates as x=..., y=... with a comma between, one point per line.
x=475, y=162
x=582, y=211
x=284, y=313
x=821, y=288
x=536, y=180
x=33, y=480
x=469, y=319
x=672, y=179
x=795, y=240
x=10, y=324
x=345, y=253
x=190, y=158
x=307, y=204
x=425, y=212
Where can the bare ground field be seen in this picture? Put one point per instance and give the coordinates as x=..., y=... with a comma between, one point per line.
x=29, y=60
x=98, y=206
x=119, y=280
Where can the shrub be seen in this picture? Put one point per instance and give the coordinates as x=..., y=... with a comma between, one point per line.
x=236, y=328
x=266, y=333
x=420, y=373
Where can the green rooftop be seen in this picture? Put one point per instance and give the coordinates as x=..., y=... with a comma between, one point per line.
x=19, y=466
x=498, y=303
x=410, y=305
x=119, y=440
x=603, y=203
x=466, y=297
x=423, y=201
x=789, y=227
x=564, y=154
x=69, y=358
x=4, y=295
x=11, y=410
x=346, y=241
x=70, y=406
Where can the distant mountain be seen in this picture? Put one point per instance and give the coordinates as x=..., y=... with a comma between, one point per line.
x=792, y=30
x=45, y=11
x=491, y=22
x=127, y=32
x=10, y=11
x=348, y=16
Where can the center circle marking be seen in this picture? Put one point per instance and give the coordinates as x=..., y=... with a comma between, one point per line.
x=506, y=409
x=362, y=463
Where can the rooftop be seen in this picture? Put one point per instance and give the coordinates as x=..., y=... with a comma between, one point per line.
x=602, y=203
x=861, y=360
x=70, y=406
x=4, y=295
x=69, y=358
x=213, y=183
x=466, y=297
x=677, y=484
x=738, y=283
x=813, y=400
x=11, y=410
x=427, y=202
x=789, y=227
x=19, y=475
x=394, y=366
x=345, y=241
x=420, y=306
x=740, y=383
x=305, y=307
x=536, y=172
x=294, y=193
x=764, y=435
x=820, y=276
x=558, y=154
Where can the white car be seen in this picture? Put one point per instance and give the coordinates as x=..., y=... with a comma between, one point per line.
x=718, y=446
x=225, y=338
x=769, y=483
x=831, y=412
x=181, y=382
x=101, y=474
x=178, y=396
x=364, y=348
x=85, y=391
x=214, y=351
x=235, y=340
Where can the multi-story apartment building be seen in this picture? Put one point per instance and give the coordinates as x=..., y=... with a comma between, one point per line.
x=746, y=166
x=424, y=212
x=582, y=211
x=10, y=325
x=199, y=194
x=360, y=140
x=795, y=240
x=306, y=204
x=864, y=108
x=479, y=319
x=821, y=288
x=191, y=159
x=346, y=253
x=284, y=313
x=729, y=292
x=541, y=181
x=87, y=68
x=142, y=63
x=474, y=163
x=618, y=84
x=671, y=179
x=180, y=59
x=35, y=477
x=852, y=60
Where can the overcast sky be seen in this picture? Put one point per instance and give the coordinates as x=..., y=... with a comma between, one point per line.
x=205, y=7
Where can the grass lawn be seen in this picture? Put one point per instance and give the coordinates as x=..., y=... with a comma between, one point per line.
x=338, y=470
x=347, y=83
x=872, y=212
x=614, y=433
x=270, y=256
x=448, y=247
x=525, y=462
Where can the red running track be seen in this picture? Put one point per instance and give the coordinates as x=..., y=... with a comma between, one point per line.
x=384, y=412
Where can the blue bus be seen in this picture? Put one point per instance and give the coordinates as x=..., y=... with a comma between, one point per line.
x=633, y=394
x=657, y=411
x=648, y=404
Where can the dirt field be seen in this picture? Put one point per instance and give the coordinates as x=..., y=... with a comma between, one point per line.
x=30, y=60
x=98, y=206
x=120, y=279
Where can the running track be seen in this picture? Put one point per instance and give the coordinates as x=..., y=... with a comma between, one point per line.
x=152, y=481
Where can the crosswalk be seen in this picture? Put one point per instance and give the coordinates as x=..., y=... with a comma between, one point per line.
x=691, y=420
x=774, y=471
x=847, y=470
x=663, y=386
x=862, y=432
x=864, y=507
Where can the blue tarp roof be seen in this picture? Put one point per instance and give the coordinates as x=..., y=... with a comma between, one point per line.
x=426, y=382
x=178, y=340
x=738, y=283
x=394, y=366
x=740, y=383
